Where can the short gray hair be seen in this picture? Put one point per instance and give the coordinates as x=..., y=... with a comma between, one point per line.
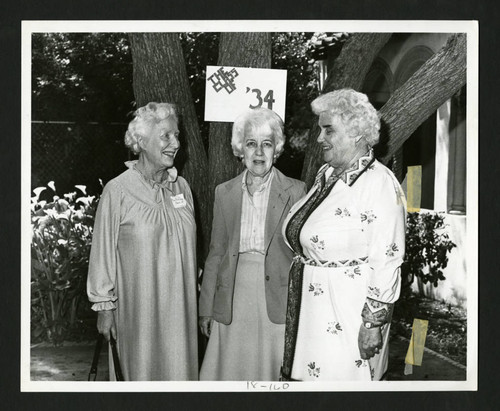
x=144, y=116
x=256, y=118
x=355, y=110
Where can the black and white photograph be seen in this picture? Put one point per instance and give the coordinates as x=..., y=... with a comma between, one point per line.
x=249, y=206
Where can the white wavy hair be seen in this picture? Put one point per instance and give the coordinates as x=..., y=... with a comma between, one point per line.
x=256, y=118
x=143, y=117
x=356, y=113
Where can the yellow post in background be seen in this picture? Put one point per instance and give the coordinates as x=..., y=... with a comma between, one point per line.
x=414, y=188
x=417, y=342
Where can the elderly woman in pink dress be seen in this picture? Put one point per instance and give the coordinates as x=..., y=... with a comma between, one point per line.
x=142, y=272
x=243, y=296
x=348, y=237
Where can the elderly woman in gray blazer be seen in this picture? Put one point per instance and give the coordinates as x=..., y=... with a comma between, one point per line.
x=244, y=291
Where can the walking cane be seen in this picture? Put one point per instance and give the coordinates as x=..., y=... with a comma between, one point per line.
x=114, y=353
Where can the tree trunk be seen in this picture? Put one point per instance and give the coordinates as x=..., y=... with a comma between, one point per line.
x=436, y=81
x=235, y=50
x=349, y=71
x=160, y=75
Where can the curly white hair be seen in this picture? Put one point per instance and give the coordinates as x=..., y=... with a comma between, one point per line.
x=143, y=117
x=355, y=110
x=256, y=118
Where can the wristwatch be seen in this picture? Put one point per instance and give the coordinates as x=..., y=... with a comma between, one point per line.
x=369, y=324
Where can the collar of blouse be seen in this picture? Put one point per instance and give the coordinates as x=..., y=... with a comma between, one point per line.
x=169, y=177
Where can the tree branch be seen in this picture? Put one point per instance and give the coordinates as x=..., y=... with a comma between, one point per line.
x=432, y=85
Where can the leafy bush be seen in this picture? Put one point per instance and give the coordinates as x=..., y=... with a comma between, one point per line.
x=427, y=248
x=60, y=248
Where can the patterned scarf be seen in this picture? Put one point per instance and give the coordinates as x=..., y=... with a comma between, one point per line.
x=293, y=229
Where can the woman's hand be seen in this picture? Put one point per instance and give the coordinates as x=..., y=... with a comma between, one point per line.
x=205, y=324
x=369, y=341
x=106, y=324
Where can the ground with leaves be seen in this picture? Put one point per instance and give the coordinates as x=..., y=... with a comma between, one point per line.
x=447, y=332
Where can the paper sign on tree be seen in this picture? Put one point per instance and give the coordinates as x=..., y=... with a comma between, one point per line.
x=231, y=90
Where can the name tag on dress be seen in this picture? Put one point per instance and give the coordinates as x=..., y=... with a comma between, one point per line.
x=178, y=201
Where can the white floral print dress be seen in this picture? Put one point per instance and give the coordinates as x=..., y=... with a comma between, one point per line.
x=354, y=246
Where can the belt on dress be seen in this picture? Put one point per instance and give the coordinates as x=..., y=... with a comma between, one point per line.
x=329, y=264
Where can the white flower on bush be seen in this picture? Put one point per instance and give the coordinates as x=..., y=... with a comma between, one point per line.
x=78, y=215
x=37, y=192
x=85, y=200
x=70, y=196
x=83, y=189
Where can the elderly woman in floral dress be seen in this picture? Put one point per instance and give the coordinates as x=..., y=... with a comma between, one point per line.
x=142, y=273
x=348, y=237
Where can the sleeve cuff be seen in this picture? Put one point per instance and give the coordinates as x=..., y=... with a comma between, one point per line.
x=104, y=306
x=377, y=312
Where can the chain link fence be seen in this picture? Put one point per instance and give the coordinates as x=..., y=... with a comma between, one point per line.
x=71, y=153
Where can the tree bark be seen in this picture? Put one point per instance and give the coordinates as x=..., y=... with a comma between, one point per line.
x=235, y=50
x=430, y=86
x=349, y=71
x=159, y=74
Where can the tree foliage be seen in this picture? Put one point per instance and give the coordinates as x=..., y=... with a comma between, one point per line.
x=88, y=76
x=293, y=52
x=200, y=50
x=427, y=248
x=81, y=77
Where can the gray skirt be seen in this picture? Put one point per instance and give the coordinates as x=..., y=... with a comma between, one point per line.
x=251, y=347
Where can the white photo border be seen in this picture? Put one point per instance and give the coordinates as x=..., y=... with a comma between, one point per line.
x=400, y=26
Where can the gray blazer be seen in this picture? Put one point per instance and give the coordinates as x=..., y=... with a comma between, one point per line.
x=216, y=298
